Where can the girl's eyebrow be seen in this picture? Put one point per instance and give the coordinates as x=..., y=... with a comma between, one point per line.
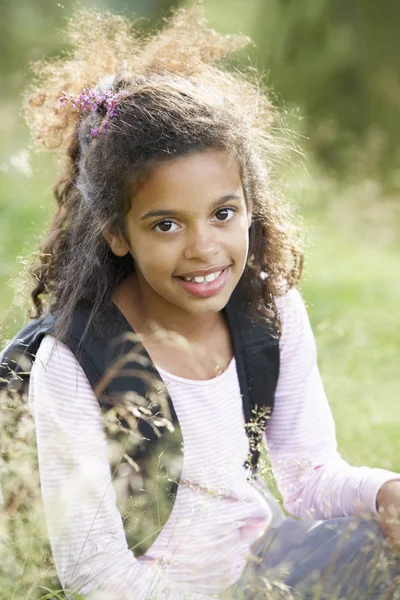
x=177, y=213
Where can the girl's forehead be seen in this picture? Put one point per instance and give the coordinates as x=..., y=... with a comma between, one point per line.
x=196, y=178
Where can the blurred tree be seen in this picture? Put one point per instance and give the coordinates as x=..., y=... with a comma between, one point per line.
x=337, y=61
x=29, y=31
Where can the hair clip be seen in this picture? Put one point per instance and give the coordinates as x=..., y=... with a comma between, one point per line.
x=92, y=101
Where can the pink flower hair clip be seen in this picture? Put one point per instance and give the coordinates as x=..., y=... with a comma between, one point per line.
x=92, y=100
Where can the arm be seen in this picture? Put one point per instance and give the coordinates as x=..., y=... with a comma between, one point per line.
x=85, y=527
x=311, y=475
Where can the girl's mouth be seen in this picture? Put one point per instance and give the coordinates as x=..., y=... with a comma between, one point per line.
x=207, y=285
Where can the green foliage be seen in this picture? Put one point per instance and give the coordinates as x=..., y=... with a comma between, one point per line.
x=336, y=61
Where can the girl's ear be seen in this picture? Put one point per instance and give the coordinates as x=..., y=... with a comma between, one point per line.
x=117, y=243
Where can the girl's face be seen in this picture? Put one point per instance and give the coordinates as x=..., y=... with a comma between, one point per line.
x=188, y=234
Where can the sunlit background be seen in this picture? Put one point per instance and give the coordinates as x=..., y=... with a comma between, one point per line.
x=333, y=66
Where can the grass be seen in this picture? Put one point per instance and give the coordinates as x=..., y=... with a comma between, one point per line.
x=354, y=305
x=353, y=296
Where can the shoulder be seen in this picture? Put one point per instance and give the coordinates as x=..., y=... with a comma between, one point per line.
x=291, y=307
x=57, y=371
x=53, y=355
x=295, y=323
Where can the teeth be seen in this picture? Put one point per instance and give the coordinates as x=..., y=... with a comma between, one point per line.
x=212, y=276
x=208, y=278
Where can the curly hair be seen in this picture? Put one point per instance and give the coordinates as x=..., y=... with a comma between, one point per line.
x=177, y=95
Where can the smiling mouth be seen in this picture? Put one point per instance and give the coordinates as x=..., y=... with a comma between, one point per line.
x=204, y=286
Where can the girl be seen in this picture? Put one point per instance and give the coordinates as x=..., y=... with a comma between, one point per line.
x=169, y=273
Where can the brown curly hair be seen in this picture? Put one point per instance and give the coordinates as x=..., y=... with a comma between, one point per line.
x=177, y=96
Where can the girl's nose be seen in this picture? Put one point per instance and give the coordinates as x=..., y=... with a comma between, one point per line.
x=202, y=244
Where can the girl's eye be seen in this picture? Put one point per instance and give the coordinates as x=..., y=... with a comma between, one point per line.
x=165, y=226
x=225, y=213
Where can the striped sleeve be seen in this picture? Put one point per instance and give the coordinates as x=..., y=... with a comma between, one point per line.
x=311, y=475
x=85, y=527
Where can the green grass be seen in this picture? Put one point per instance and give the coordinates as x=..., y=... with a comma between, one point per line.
x=353, y=296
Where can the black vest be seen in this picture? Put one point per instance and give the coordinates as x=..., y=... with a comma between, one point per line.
x=139, y=413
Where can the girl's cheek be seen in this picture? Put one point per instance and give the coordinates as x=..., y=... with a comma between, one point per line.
x=160, y=258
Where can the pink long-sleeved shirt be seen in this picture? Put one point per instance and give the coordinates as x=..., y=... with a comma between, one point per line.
x=218, y=513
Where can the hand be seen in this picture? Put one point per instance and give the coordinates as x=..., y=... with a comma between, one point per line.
x=388, y=505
